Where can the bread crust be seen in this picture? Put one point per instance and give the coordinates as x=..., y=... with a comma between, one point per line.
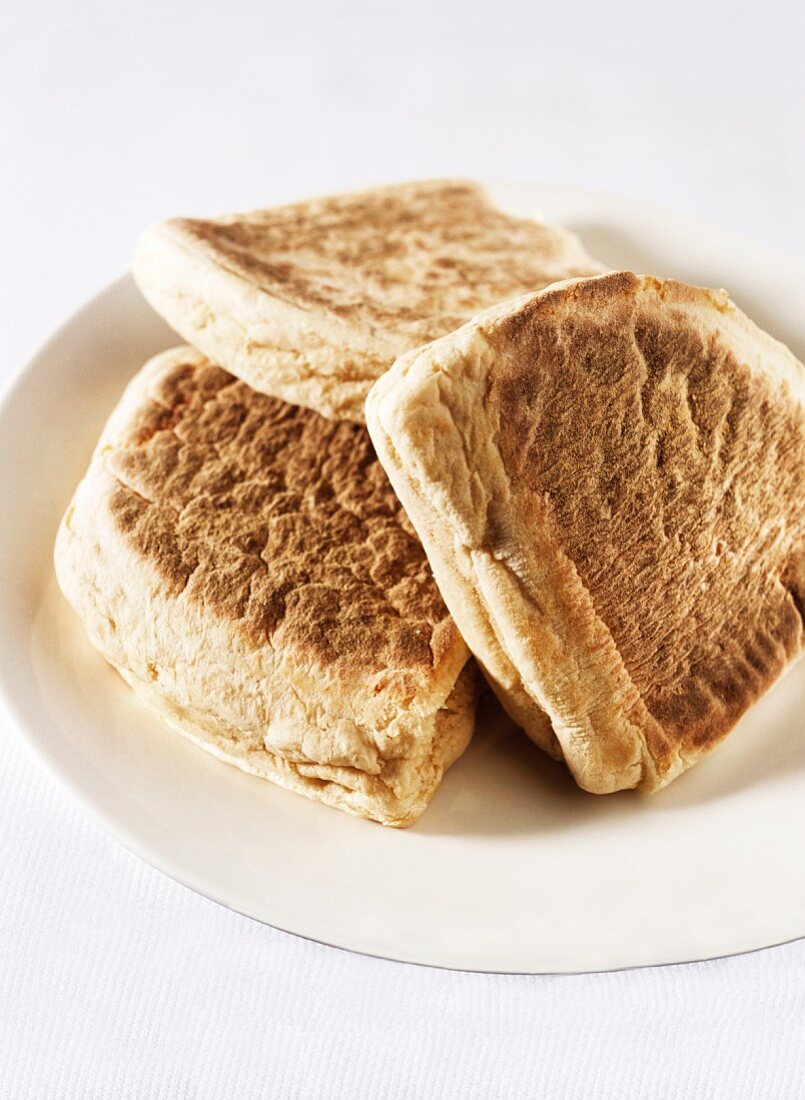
x=247, y=568
x=608, y=479
x=312, y=302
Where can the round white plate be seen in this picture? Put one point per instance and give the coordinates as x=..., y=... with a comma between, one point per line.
x=512, y=868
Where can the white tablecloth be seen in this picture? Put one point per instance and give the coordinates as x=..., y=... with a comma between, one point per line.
x=116, y=982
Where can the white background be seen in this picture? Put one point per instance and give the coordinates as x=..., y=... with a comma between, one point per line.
x=114, y=981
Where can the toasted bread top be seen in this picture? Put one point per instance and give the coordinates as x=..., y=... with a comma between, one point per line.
x=313, y=301
x=279, y=521
x=621, y=461
x=408, y=262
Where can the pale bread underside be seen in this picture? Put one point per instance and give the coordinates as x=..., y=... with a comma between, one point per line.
x=312, y=302
x=248, y=569
x=608, y=480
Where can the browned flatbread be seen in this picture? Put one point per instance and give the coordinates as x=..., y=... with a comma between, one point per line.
x=609, y=480
x=312, y=302
x=246, y=566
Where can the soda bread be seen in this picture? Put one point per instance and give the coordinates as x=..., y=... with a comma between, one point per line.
x=609, y=480
x=312, y=302
x=247, y=568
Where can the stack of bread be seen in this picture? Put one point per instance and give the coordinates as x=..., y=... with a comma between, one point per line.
x=410, y=430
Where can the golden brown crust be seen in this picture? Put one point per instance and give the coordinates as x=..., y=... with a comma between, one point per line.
x=413, y=261
x=314, y=301
x=687, y=479
x=651, y=442
x=247, y=567
x=283, y=521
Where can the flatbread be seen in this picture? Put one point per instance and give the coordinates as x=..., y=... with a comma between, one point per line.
x=312, y=302
x=247, y=568
x=608, y=479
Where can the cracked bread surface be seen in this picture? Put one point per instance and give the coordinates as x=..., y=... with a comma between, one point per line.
x=609, y=480
x=312, y=302
x=246, y=566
